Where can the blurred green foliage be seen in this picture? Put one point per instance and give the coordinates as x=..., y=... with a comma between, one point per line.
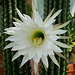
x=28, y=7
x=72, y=35
x=0, y=31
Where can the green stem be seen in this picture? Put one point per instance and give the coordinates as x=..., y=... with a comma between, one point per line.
x=64, y=11
x=46, y=8
x=9, y=57
x=59, y=21
x=50, y=5
x=51, y=64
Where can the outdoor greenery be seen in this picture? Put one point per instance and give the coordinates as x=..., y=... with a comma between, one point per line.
x=72, y=37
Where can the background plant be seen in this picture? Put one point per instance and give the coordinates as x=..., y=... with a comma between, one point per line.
x=72, y=37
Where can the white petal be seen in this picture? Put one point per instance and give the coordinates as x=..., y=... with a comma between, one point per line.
x=49, y=15
x=55, y=25
x=45, y=61
x=55, y=48
x=29, y=19
x=64, y=37
x=54, y=38
x=49, y=29
x=54, y=60
x=60, y=55
x=17, y=20
x=39, y=52
x=19, y=47
x=50, y=52
x=53, y=17
x=35, y=3
x=15, y=47
x=9, y=38
x=61, y=26
x=10, y=28
x=28, y=51
x=16, y=38
x=22, y=52
x=10, y=32
x=36, y=59
x=20, y=15
x=37, y=18
x=16, y=56
x=25, y=59
x=33, y=7
x=35, y=68
x=61, y=44
x=17, y=24
x=31, y=54
x=56, y=14
x=49, y=22
x=9, y=45
x=46, y=45
x=59, y=31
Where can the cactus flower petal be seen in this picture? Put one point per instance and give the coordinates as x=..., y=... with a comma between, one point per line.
x=54, y=60
x=35, y=39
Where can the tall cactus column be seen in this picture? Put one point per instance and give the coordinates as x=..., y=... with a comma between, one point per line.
x=3, y=37
x=67, y=41
x=58, y=6
x=9, y=11
x=12, y=13
x=64, y=19
x=8, y=52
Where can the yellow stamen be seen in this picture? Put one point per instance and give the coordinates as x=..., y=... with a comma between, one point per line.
x=37, y=40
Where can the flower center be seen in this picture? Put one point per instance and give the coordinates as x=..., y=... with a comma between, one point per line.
x=38, y=37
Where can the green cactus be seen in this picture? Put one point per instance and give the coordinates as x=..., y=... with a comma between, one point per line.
x=8, y=12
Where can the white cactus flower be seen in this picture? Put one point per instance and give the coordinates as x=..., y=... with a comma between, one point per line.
x=35, y=39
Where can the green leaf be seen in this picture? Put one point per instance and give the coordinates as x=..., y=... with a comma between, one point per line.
x=73, y=52
x=70, y=50
x=73, y=57
x=73, y=43
x=72, y=27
